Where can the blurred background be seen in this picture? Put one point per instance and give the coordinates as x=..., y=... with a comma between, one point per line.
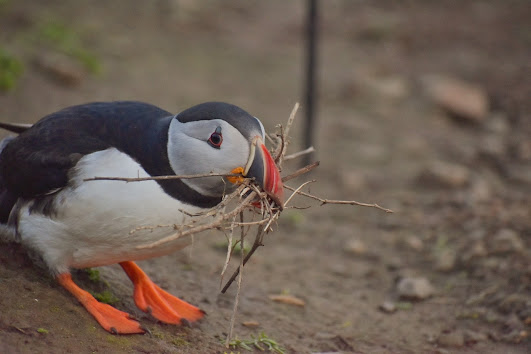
x=421, y=106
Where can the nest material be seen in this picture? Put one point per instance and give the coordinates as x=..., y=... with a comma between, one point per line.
x=230, y=214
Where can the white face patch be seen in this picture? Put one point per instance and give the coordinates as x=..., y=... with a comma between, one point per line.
x=190, y=153
x=261, y=128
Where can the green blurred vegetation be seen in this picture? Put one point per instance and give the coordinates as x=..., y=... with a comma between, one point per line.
x=35, y=37
x=11, y=69
x=66, y=40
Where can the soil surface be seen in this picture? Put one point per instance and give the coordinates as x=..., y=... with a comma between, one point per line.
x=448, y=272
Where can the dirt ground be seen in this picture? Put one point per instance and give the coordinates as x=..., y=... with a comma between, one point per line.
x=460, y=185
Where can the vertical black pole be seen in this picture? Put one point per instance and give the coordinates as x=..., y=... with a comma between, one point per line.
x=310, y=84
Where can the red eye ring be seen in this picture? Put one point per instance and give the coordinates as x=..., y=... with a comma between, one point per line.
x=216, y=139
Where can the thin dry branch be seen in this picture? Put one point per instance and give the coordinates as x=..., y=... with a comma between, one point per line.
x=332, y=201
x=257, y=243
x=237, y=298
x=285, y=133
x=159, y=178
x=299, y=154
x=200, y=228
x=301, y=171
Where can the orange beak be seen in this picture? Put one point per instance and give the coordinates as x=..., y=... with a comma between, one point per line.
x=262, y=167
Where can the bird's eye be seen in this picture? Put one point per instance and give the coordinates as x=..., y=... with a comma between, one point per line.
x=216, y=138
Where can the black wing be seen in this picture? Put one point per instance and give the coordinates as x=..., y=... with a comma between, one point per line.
x=37, y=162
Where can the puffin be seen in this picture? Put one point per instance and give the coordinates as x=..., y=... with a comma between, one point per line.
x=49, y=204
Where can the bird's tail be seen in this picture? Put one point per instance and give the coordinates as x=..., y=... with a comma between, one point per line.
x=15, y=127
x=7, y=232
x=5, y=141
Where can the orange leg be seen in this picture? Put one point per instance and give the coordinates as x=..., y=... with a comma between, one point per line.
x=111, y=319
x=160, y=304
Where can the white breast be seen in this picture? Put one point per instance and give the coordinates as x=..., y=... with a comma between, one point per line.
x=97, y=222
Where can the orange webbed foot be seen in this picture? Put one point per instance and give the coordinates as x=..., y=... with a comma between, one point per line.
x=157, y=302
x=111, y=319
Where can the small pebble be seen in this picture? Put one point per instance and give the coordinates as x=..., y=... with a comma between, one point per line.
x=454, y=339
x=356, y=246
x=474, y=337
x=415, y=243
x=387, y=307
x=414, y=288
x=462, y=99
x=62, y=69
x=251, y=323
x=288, y=299
x=445, y=260
x=507, y=240
x=444, y=175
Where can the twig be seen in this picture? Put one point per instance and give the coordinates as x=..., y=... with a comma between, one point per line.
x=229, y=254
x=301, y=171
x=281, y=144
x=285, y=134
x=158, y=178
x=257, y=243
x=237, y=298
x=291, y=118
x=300, y=153
x=332, y=201
x=216, y=223
x=297, y=191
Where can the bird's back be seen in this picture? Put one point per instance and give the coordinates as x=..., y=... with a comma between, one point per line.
x=38, y=161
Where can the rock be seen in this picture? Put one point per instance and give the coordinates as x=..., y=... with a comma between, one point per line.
x=462, y=99
x=394, y=263
x=520, y=174
x=415, y=243
x=252, y=324
x=385, y=86
x=507, y=240
x=445, y=260
x=356, y=246
x=498, y=124
x=373, y=152
x=515, y=336
x=288, y=299
x=480, y=190
x=387, y=307
x=454, y=339
x=474, y=337
x=477, y=250
x=62, y=69
x=445, y=175
x=492, y=146
x=414, y=288
x=353, y=181
x=523, y=150
x=392, y=87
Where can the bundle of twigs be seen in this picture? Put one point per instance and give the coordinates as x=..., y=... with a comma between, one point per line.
x=230, y=213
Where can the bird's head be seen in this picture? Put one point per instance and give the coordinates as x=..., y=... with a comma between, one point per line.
x=222, y=138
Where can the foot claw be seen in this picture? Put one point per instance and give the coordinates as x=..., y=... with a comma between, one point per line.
x=113, y=330
x=186, y=323
x=131, y=317
x=146, y=330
